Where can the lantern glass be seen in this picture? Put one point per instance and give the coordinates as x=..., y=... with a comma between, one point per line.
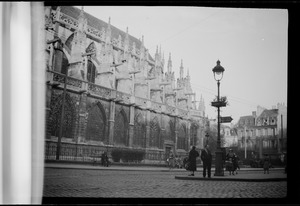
x=218, y=71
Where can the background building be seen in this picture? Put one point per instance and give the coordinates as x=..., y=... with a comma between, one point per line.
x=117, y=94
x=264, y=131
x=230, y=136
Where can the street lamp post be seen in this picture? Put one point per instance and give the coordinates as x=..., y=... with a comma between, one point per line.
x=218, y=75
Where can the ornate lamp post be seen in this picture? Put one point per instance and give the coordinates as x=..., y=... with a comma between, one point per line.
x=218, y=75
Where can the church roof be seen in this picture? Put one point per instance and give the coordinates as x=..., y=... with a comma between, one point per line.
x=269, y=113
x=99, y=24
x=246, y=120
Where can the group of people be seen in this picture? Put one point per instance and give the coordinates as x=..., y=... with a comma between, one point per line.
x=206, y=158
x=231, y=161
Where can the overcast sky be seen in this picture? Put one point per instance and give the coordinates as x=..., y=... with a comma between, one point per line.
x=250, y=43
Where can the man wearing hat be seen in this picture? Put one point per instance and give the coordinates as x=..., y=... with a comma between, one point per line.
x=206, y=158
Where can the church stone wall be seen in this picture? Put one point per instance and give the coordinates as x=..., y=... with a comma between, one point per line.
x=117, y=94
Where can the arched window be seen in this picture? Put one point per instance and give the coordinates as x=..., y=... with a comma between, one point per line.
x=139, y=137
x=155, y=134
x=91, y=68
x=96, y=124
x=121, y=129
x=91, y=72
x=68, y=120
x=60, y=61
x=181, y=140
x=194, y=128
x=172, y=130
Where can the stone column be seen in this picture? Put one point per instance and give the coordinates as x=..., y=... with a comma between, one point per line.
x=48, y=104
x=82, y=119
x=176, y=133
x=111, y=122
x=188, y=131
x=163, y=131
x=201, y=135
x=147, y=128
x=131, y=126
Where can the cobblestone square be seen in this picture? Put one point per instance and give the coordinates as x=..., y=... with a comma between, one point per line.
x=150, y=184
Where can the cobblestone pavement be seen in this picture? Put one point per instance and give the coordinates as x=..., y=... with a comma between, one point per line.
x=150, y=184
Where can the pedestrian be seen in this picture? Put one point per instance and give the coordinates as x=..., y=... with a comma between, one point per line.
x=171, y=160
x=231, y=162
x=237, y=166
x=186, y=161
x=206, y=158
x=104, y=159
x=266, y=163
x=192, y=165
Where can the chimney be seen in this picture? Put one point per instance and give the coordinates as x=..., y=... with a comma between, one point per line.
x=254, y=113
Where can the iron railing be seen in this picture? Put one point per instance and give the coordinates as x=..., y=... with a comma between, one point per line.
x=88, y=153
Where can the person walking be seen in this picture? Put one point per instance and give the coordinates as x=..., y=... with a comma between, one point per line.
x=104, y=159
x=193, y=154
x=206, y=158
x=171, y=160
x=267, y=163
x=237, y=166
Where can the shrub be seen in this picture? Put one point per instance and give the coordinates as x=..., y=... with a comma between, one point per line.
x=132, y=155
x=116, y=155
x=127, y=155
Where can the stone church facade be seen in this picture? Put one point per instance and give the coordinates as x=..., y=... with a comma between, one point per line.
x=116, y=94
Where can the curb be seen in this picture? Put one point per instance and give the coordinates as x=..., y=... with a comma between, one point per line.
x=132, y=168
x=232, y=179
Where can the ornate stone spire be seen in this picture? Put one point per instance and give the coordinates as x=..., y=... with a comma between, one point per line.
x=142, y=49
x=163, y=61
x=169, y=64
x=181, y=70
x=159, y=52
x=108, y=32
x=79, y=40
x=156, y=56
x=201, y=106
x=82, y=21
x=126, y=41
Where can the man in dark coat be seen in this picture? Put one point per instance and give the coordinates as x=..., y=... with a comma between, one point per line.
x=206, y=158
x=193, y=154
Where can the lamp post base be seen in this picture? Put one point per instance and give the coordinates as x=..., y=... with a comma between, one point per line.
x=219, y=164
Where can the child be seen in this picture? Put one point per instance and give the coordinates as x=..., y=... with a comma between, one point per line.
x=266, y=164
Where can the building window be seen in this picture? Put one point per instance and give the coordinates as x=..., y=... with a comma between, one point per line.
x=172, y=128
x=121, y=129
x=193, y=134
x=139, y=138
x=154, y=134
x=60, y=61
x=96, y=124
x=91, y=72
x=181, y=141
x=69, y=119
